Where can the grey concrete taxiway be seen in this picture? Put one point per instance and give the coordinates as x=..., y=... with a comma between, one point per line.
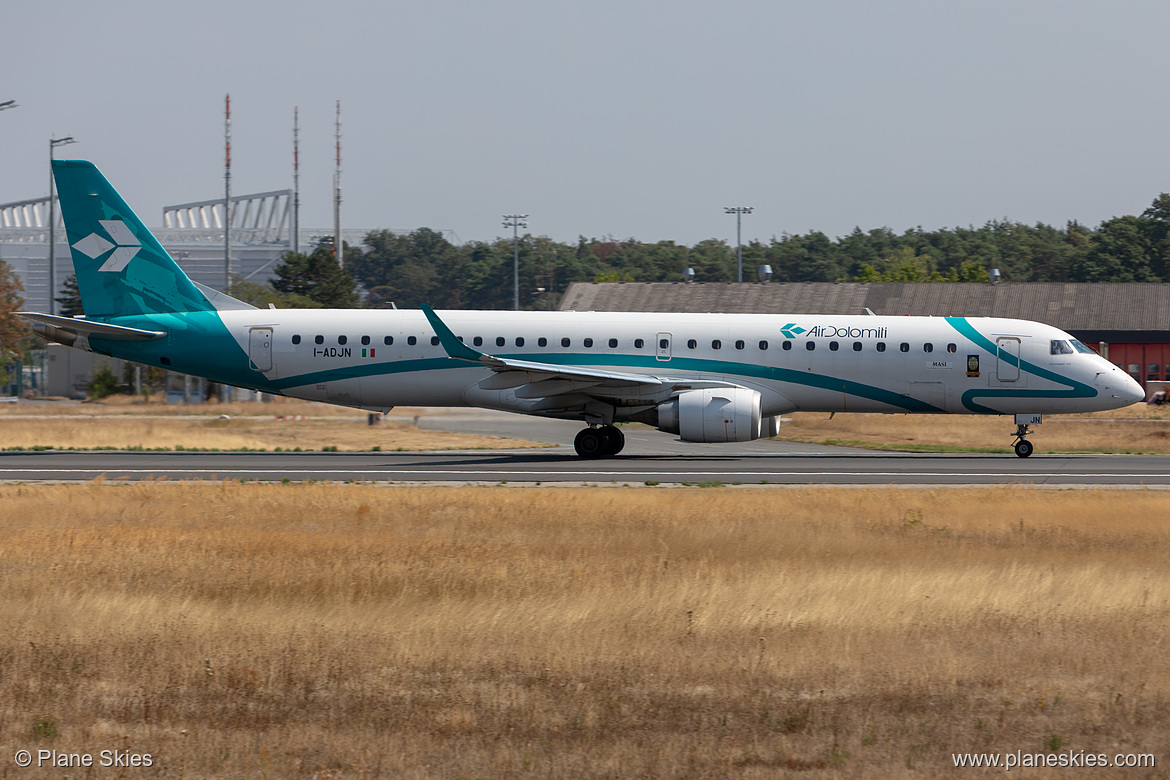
x=649, y=456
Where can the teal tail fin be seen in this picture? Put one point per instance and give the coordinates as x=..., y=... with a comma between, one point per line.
x=121, y=267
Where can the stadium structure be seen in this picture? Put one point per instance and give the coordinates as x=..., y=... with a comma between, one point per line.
x=193, y=233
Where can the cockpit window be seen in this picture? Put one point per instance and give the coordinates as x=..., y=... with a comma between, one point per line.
x=1061, y=347
x=1079, y=347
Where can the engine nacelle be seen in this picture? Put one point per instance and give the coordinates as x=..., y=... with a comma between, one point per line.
x=717, y=414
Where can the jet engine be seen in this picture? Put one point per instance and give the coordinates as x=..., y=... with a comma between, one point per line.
x=718, y=414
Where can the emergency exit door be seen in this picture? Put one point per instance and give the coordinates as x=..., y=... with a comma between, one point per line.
x=260, y=348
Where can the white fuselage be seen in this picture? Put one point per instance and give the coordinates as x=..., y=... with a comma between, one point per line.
x=379, y=359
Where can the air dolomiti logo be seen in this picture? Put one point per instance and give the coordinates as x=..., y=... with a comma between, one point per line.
x=792, y=330
x=125, y=245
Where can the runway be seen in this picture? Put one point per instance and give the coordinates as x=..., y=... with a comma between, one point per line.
x=649, y=456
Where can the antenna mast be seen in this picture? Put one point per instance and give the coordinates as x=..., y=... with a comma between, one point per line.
x=227, y=193
x=296, y=220
x=338, y=246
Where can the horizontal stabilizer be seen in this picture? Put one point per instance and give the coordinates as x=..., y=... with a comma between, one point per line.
x=87, y=328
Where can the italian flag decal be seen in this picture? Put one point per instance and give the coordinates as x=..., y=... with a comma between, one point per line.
x=370, y=350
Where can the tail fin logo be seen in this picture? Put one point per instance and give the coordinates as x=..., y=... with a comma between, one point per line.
x=125, y=245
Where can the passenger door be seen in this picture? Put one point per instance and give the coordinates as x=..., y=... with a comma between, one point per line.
x=1007, y=364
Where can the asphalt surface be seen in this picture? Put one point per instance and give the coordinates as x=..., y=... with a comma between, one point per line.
x=649, y=456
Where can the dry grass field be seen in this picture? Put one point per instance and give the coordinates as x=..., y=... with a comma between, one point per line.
x=317, y=630
x=1137, y=429
x=119, y=423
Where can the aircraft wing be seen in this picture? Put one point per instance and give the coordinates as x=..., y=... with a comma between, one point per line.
x=549, y=379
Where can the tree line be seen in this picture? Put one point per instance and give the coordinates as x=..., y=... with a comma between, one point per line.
x=424, y=267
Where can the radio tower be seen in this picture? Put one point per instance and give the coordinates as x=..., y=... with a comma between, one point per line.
x=227, y=193
x=338, y=246
x=296, y=220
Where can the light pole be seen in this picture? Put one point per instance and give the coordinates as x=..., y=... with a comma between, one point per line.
x=738, y=211
x=515, y=221
x=53, y=144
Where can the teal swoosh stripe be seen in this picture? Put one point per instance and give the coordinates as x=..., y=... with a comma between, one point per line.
x=725, y=368
x=1076, y=389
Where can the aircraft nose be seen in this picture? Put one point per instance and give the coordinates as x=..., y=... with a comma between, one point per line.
x=1131, y=390
x=1117, y=384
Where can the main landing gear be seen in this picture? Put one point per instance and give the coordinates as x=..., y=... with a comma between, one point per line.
x=1023, y=446
x=601, y=442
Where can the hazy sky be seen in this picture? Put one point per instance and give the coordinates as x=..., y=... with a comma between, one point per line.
x=633, y=119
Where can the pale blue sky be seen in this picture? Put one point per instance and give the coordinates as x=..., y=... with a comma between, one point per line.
x=629, y=118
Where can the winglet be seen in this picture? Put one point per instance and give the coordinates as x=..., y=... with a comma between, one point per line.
x=451, y=343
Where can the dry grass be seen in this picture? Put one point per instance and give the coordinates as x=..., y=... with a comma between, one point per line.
x=187, y=433
x=125, y=405
x=314, y=630
x=1138, y=429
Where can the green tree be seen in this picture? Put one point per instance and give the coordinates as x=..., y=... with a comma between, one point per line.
x=261, y=295
x=13, y=332
x=103, y=384
x=69, y=304
x=1119, y=251
x=317, y=277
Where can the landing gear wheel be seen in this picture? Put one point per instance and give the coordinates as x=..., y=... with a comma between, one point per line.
x=603, y=442
x=615, y=439
x=591, y=443
x=1023, y=446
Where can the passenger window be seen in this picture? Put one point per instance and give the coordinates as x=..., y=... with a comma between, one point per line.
x=664, y=343
x=365, y=341
x=903, y=347
x=542, y=342
x=881, y=346
x=833, y=346
x=296, y=339
x=613, y=343
x=565, y=342
x=691, y=344
x=388, y=340
x=952, y=348
x=639, y=343
x=739, y=345
x=763, y=345
x=857, y=346
x=411, y=340
x=928, y=347
x=519, y=341
x=341, y=340
x=716, y=344
x=786, y=345
x=477, y=341
x=318, y=339
x=434, y=341
x=810, y=345
x=588, y=342
x=499, y=341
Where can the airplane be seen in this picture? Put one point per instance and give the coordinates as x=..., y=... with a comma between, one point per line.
x=703, y=377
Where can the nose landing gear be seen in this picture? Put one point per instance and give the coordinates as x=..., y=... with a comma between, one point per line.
x=1023, y=446
x=601, y=442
